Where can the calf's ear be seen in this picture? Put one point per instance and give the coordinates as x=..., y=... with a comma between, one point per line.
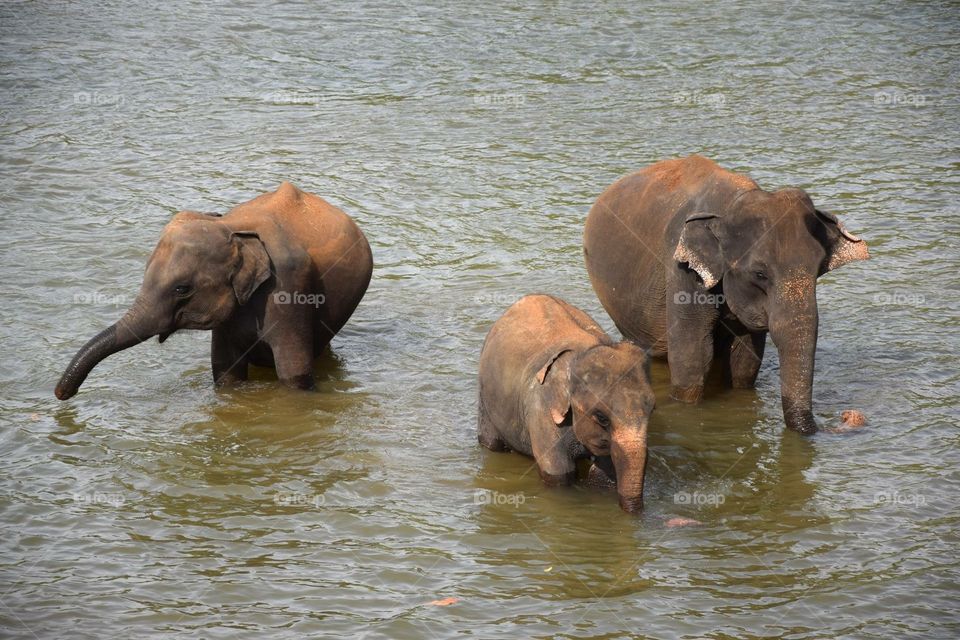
x=253, y=265
x=554, y=380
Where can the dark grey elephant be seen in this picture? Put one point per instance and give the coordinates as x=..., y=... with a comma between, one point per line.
x=696, y=262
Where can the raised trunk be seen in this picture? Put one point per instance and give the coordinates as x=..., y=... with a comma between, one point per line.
x=628, y=451
x=795, y=335
x=116, y=337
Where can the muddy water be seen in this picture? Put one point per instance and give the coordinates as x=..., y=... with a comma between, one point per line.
x=468, y=143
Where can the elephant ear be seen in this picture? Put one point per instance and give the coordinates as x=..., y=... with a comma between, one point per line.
x=253, y=266
x=699, y=247
x=841, y=245
x=554, y=380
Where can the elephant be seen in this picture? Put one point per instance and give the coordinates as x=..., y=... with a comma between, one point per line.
x=554, y=386
x=274, y=279
x=697, y=263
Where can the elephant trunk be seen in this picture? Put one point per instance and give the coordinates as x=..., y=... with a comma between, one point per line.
x=628, y=451
x=795, y=335
x=117, y=337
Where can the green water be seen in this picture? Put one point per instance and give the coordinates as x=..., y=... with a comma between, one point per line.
x=468, y=141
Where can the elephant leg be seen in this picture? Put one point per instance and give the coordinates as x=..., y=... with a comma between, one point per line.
x=487, y=433
x=228, y=360
x=293, y=359
x=689, y=353
x=555, y=464
x=743, y=359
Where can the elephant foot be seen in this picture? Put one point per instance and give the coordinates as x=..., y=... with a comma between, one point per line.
x=690, y=395
x=558, y=480
x=303, y=382
x=492, y=442
x=803, y=423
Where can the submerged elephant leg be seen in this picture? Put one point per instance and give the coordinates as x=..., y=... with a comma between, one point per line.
x=554, y=462
x=487, y=433
x=690, y=353
x=293, y=359
x=743, y=358
x=228, y=362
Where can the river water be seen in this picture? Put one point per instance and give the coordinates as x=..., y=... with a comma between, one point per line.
x=468, y=142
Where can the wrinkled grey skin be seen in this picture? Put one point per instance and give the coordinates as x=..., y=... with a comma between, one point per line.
x=274, y=280
x=554, y=386
x=696, y=262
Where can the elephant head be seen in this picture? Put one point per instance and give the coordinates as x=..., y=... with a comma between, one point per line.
x=767, y=250
x=603, y=393
x=199, y=273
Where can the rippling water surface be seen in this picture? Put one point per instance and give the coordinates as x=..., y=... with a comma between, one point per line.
x=468, y=141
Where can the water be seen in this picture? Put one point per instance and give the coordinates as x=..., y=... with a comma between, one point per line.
x=468, y=143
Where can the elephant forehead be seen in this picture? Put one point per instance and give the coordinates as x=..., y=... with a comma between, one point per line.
x=196, y=238
x=614, y=378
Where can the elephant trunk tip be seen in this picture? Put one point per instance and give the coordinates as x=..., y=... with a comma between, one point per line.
x=633, y=504
x=64, y=393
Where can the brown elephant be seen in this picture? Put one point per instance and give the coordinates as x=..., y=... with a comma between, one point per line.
x=274, y=279
x=554, y=386
x=696, y=262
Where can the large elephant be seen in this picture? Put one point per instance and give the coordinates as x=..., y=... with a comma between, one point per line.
x=554, y=386
x=274, y=279
x=695, y=262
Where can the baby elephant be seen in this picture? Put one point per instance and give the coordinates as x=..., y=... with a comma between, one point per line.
x=554, y=386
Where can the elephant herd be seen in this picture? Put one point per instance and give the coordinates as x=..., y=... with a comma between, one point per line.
x=692, y=262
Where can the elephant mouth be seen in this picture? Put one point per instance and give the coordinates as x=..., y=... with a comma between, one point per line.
x=164, y=335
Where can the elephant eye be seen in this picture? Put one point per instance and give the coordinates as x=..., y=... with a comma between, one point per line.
x=760, y=275
x=601, y=419
x=182, y=289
